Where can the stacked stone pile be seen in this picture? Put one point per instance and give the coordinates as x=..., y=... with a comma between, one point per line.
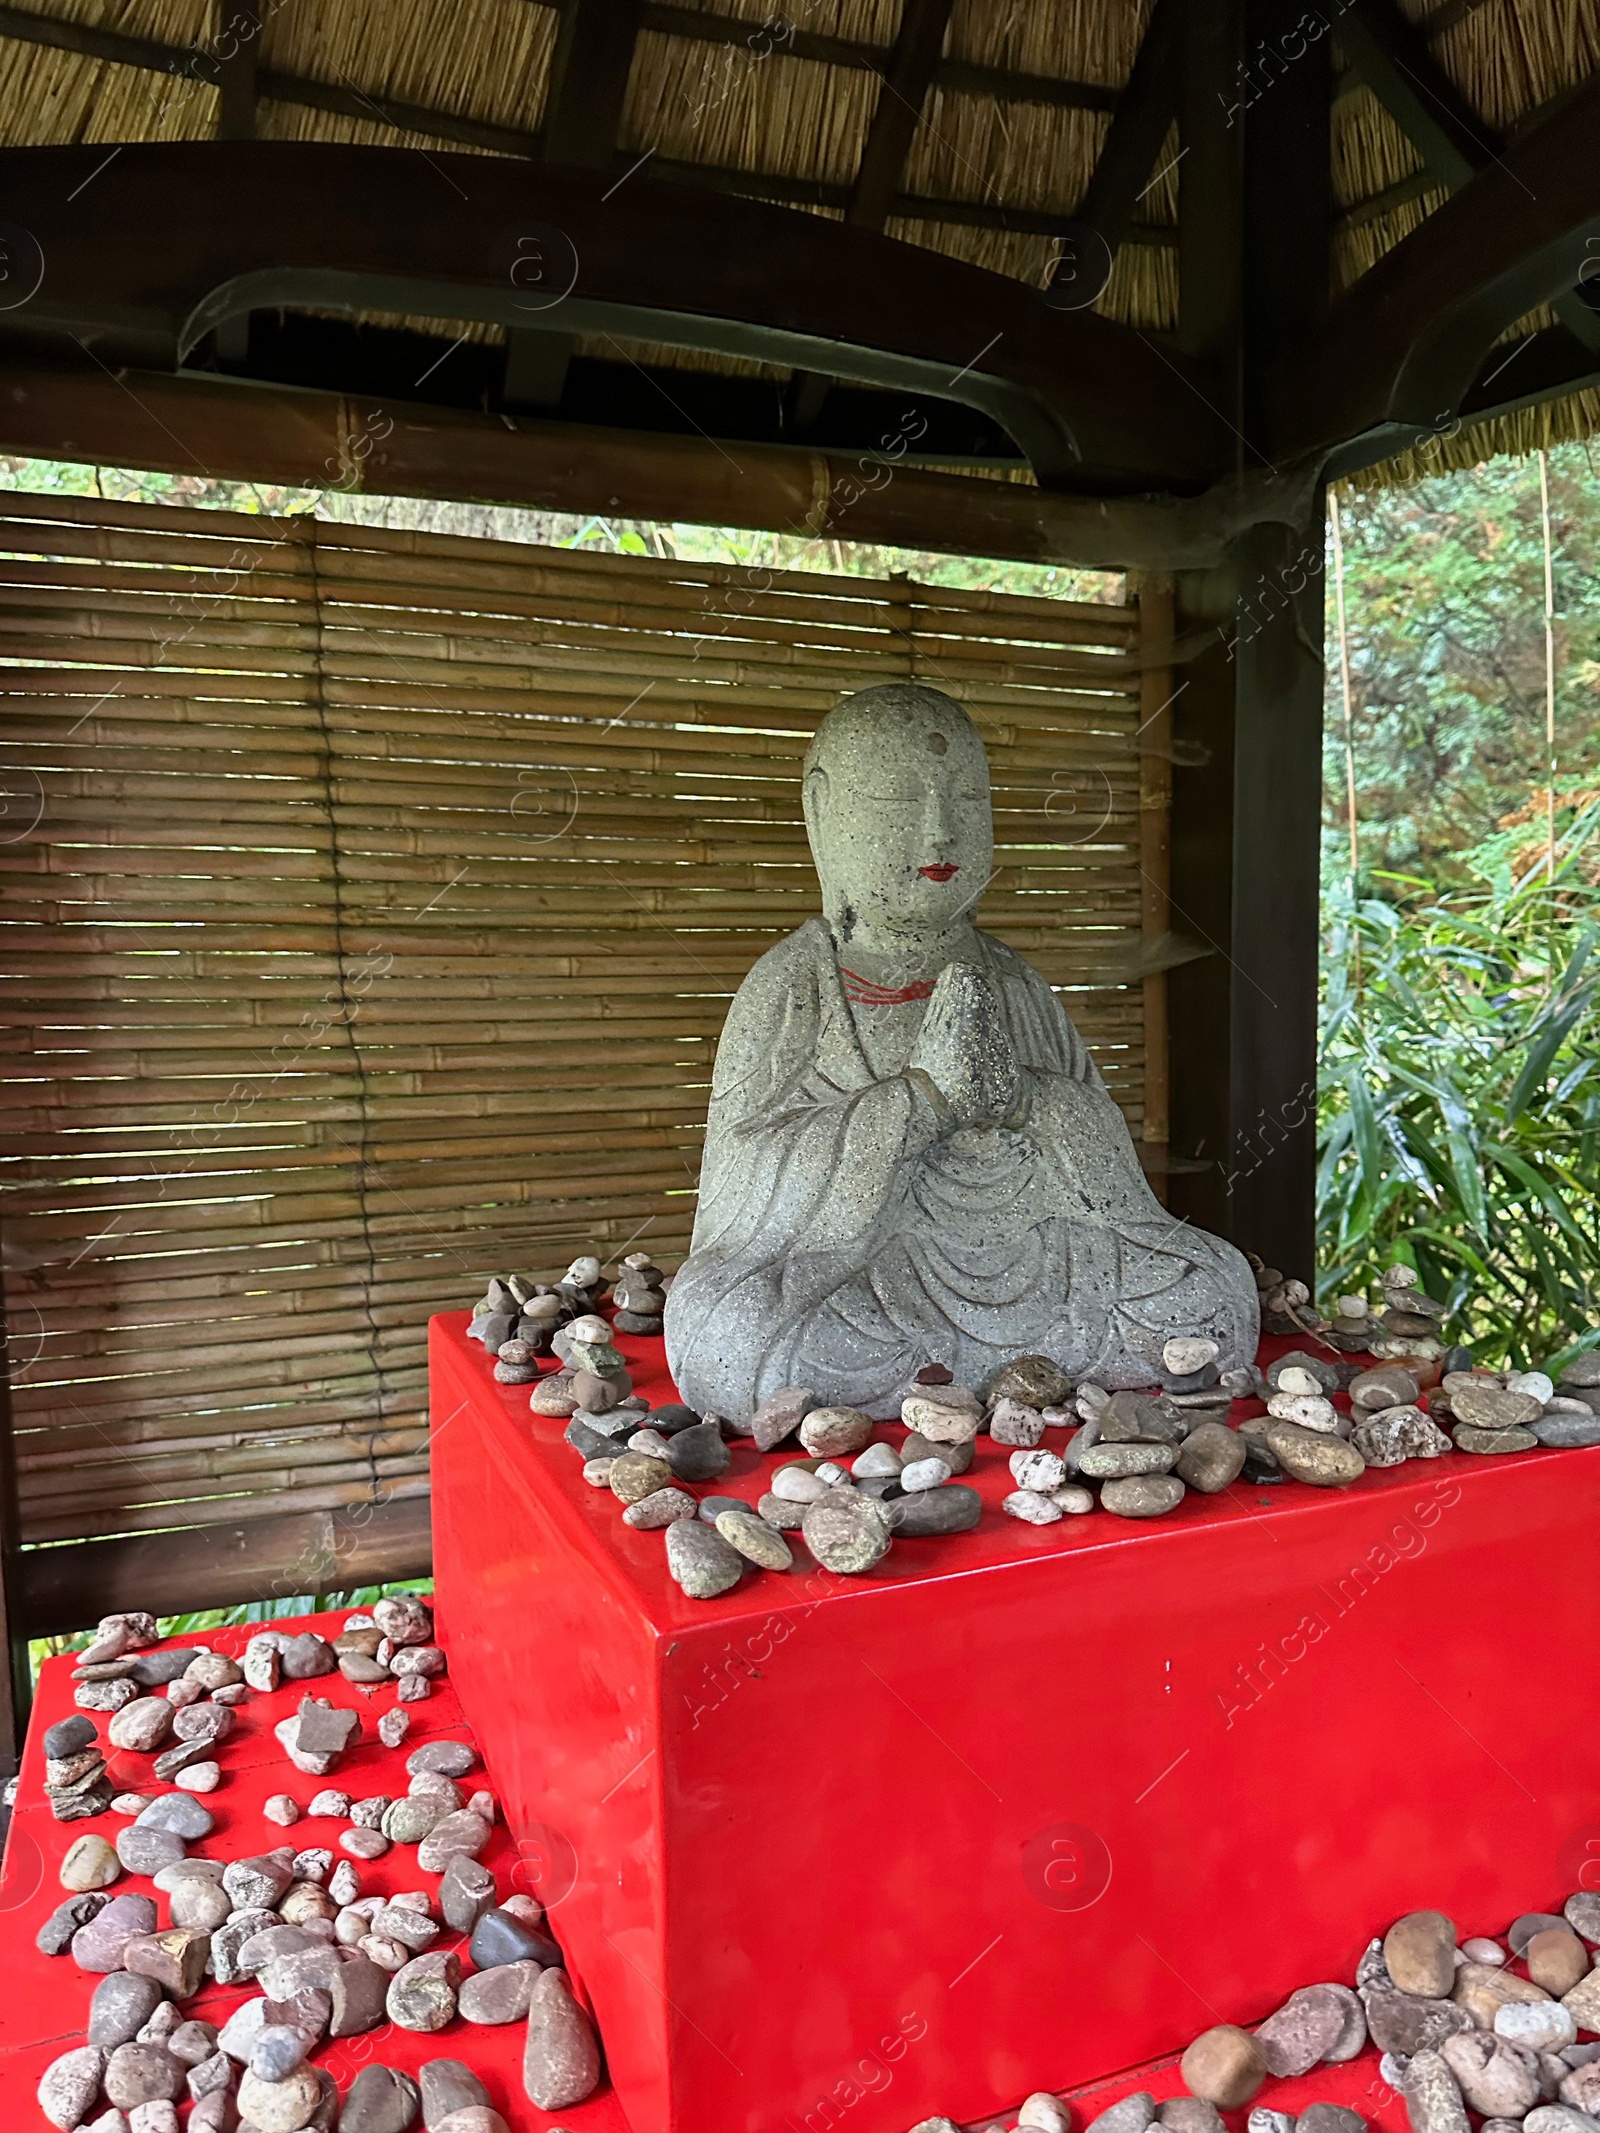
x=326, y=1960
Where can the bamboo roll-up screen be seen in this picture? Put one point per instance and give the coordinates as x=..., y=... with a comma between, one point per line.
x=373, y=902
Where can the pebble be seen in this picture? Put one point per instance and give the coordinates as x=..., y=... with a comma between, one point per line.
x=501, y=1937
x=958, y=1457
x=1044, y=2113
x=465, y=1893
x=1143, y=1496
x=660, y=1508
x=1582, y=2002
x=1483, y=1992
x=847, y=1534
x=335, y=1805
x=143, y=1850
x=699, y=1453
x=104, y=1695
x=755, y=1540
x=358, y=1994
x=1186, y=1353
x=1031, y=1380
x=1011, y=1423
x=1481, y=1950
x=1304, y=2030
x=69, y=2085
x=1211, y=1458
x=142, y=1725
x=1557, y=2118
x=408, y=1820
x=701, y=1561
x=1330, y=2118
x=120, y=2006
x=1563, y=1432
x=1392, y=1435
x=779, y=1511
x=1223, y=2066
x=1387, y=1386
x=1131, y=2114
x=381, y=2100
x=1323, y=1460
x=441, y=1758
x=1556, y=1959
x=1582, y=1913
x=944, y=1414
x=476, y=2118
x=422, y=1994
x=90, y=1863
x=1120, y=1461
x=1484, y=1405
x=260, y=1881
x=199, y=1777
x=178, y=1814
x=1419, y=1954
x=1535, y=1383
x=364, y=1843
x=279, y=2106
x=798, y=1484
x=953, y=1509
x=780, y=1414
x=1496, y=2077
x=1433, y=2099
x=1042, y=1471
x=924, y=1474
x=1073, y=1500
x=1488, y=1442
x=491, y=1998
x=561, y=2064
x=1310, y=1410
x=144, y=2073
x=69, y=1736
x=835, y=1432
x=878, y=1462
x=54, y=1937
x=98, y=1945
x=1031, y=1507
x=176, y=1959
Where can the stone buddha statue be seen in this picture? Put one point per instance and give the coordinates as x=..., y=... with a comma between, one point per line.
x=910, y=1157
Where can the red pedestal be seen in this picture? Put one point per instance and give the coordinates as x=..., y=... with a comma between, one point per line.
x=1035, y=1804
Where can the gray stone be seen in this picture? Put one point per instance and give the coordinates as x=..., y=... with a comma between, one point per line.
x=755, y=1540
x=1192, y=2114
x=381, y=2100
x=448, y=2085
x=701, y=1561
x=259, y=1882
x=500, y=1937
x=153, y=1670
x=1391, y=1435
x=465, y=1892
x=1492, y=1443
x=1142, y=1495
x=1330, y=2118
x=1406, y=2024
x=1118, y=1461
x=227, y=1940
x=180, y=1813
x=561, y=2064
x=1582, y=1913
x=422, y=1993
x=955, y=1508
x=307, y=1656
x=1314, y=1455
x=846, y=1533
x=358, y=1994
x=143, y=2073
x=818, y=1142
x=1318, y=1366
x=69, y=2085
x=441, y=1758
x=69, y=1736
x=1130, y=2114
x=462, y=1831
x=1433, y=2099
x=54, y=1937
x=120, y=2006
x=99, y=1944
x=408, y=1820
x=1567, y=1432
x=1557, y=2118
x=776, y=1416
x=1305, y=2029
x=1495, y=2076
x=491, y=1998
x=1211, y=1458
x=1483, y=1405
x=698, y=1454
x=143, y=1850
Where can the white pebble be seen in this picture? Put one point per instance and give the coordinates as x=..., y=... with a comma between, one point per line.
x=199, y=1777
x=344, y=1883
x=1044, y=2113
x=1399, y=1277
x=1039, y=1470
x=350, y=1927
x=1186, y=1353
x=1533, y=1382
x=832, y=1473
x=1074, y=1499
x=1543, y=2025
x=387, y=1954
x=649, y=1441
x=1351, y=1306
x=924, y=1474
x=797, y=1484
x=281, y=1809
x=1484, y=1951
x=597, y=1472
x=1310, y=1410
x=1032, y=1508
x=1091, y=1400
x=877, y=1462
x=1294, y=1379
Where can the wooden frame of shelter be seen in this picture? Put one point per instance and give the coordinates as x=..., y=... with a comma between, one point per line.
x=1243, y=248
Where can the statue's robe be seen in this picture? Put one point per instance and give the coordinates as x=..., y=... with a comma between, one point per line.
x=848, y=1235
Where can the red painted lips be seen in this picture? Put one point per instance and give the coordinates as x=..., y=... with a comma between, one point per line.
x=944, y=872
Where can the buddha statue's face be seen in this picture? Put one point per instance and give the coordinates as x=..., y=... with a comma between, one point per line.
x=898, y=813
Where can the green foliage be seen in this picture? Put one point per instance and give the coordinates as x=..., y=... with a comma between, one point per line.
x=1460, y=1098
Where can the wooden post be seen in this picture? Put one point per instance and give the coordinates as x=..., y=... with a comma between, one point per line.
x=16, y=1680
x=1155, y=856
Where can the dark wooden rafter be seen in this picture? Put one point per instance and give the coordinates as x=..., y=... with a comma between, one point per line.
x=1405, y=347
x=147, y=268
x=238, y=58
x=1139, y=126
x=898, y=112
x=1455, y=143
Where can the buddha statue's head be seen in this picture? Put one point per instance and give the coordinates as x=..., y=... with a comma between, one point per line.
x=896, y=793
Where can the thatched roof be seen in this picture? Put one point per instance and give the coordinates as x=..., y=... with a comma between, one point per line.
x=1008, y=132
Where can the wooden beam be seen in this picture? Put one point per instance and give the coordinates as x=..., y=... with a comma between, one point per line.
x=16, y=1679
x=1406, y=343
x=898, y=112
x=776, y=33
x=195, y=233
x=1139, y=126
x=588, y=88
x=238, y=54
x=231, y=429
x=68, y=1588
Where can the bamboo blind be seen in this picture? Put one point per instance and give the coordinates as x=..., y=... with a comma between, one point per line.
x=372, y=903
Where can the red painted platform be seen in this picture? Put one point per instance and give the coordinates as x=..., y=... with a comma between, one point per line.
x=1052, y=1798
